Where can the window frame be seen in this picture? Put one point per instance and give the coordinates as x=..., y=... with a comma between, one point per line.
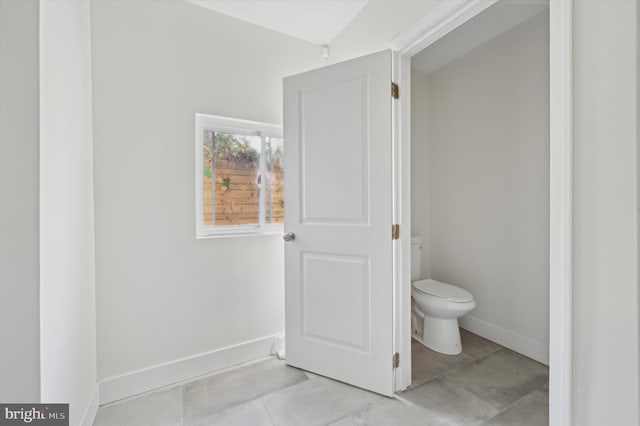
x=204, y=122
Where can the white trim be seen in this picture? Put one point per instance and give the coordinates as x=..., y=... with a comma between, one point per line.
x=263, y=173
x=506, y=338
x=401, y=74
x=90, y=411
x=561, y=213
x=137, y=382
x=442, y=20
x=238, y=125
x=268, y=230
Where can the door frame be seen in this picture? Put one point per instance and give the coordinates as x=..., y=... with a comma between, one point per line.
x=443, y=19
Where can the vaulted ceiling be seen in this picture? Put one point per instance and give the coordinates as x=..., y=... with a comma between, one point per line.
x=315, y=21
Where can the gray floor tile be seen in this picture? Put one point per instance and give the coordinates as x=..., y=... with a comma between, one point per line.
x=486, y=383
x=476, y=346
x=211, y=395
x=532, y=410
x=160, y=408
x=500, y=378
x=319, y=401
x=450, y=403
x=350, y=421
x=545, y=390
x=427, y=364
x=251, y=413
x=394, y=412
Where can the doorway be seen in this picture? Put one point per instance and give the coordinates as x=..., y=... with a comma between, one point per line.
x=480, y=208
x=446, y=20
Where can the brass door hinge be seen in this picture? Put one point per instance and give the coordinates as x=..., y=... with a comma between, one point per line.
x=395, y=232
x=395, y=90
x=396, y=360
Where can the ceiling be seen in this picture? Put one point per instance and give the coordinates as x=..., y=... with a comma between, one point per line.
x=491, y=23
x=315, y=21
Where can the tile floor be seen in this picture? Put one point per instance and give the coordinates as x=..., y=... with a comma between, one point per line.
x=485, y=385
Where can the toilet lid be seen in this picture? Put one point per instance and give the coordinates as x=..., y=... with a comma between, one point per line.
x=443, y=290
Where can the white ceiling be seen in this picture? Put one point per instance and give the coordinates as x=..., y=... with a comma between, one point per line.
x=494, y=21
x=315, y=21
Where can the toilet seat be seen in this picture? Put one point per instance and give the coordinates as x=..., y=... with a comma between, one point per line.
x=442, y=290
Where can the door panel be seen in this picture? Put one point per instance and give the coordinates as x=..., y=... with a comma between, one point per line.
x=338, y=269
x=328, y=197
x=342, y=321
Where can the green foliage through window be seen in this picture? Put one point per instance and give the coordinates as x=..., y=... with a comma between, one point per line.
x=235, y=148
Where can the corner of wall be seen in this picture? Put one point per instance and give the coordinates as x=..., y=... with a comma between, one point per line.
x=91, y=408
x=19, y=205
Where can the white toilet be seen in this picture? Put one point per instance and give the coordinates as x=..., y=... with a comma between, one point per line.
x=437, y=307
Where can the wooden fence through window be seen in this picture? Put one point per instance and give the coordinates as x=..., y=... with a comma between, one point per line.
x=237, y=194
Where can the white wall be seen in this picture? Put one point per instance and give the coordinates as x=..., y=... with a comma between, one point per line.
x=420, y=194
x=605, y=299
x=485, y=174
x=67, y=281
x=162, y=295
x=19, y=247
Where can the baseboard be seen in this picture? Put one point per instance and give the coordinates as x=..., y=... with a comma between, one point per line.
x=130, y=384
x=506, y=338
x=91, y=409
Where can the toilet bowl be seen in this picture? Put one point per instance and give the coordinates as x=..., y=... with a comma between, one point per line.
x=435, y=315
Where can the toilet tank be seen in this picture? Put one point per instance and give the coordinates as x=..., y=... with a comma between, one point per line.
x=416, y=258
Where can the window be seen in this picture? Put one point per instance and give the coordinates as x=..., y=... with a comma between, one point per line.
x=239, y=177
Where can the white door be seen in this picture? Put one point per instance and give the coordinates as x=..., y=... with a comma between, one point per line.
x=338, y=267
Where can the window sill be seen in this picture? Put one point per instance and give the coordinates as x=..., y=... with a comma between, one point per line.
x=240, y=234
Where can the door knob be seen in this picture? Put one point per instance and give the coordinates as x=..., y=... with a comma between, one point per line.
x=289, y=236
